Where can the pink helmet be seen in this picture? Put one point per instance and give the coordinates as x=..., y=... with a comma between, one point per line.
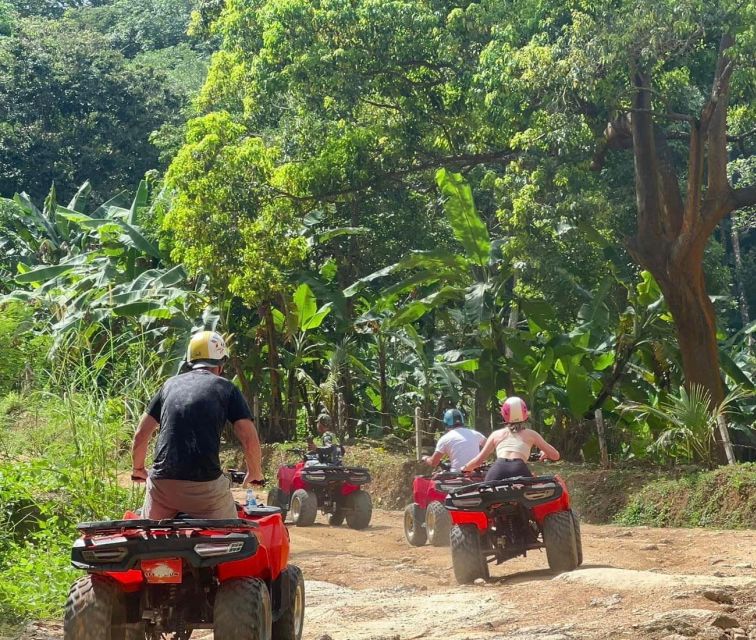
x=514, y=410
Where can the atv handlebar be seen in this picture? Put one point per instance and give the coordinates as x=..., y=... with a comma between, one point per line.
x=237, y=477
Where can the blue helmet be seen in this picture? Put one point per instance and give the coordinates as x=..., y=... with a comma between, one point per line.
x=453, y=417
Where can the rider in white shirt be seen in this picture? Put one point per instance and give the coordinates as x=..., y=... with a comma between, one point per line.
x=459, y=443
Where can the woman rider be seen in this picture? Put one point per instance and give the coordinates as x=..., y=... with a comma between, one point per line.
x=512, y=444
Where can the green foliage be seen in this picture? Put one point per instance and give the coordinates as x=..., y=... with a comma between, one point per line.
x=689, y=421
x=723, y=498
x=51, y=129
x=23, y=350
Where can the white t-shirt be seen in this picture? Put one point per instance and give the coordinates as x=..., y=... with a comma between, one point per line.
x=461, y=445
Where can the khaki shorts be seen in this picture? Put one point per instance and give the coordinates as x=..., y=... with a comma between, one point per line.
x=210, y=500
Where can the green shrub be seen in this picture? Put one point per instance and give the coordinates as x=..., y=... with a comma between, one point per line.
x=724, y=498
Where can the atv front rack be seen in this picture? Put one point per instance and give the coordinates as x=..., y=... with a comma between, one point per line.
x=114, y=526
x=318, y=474
x=528, y=491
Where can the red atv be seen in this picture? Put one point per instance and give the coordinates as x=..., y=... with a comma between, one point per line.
x=426, y=518
x=321, y=481
x=154, y=579
x=503, y=519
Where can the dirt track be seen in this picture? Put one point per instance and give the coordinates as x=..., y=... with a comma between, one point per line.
x=371, y=585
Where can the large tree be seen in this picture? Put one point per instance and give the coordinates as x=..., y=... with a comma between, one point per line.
x=72, y=109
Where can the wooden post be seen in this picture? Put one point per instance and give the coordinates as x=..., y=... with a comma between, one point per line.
x=256, y=410
x=601, y=438
x=418, y=432
x=725, y=433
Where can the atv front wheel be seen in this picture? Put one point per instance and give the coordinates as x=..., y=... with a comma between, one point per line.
x=95, y=610
x=414, y=531
x=289, y=625
x=467, y=557
x=359, y=509
x=242, y=611
x=336, y=519
x=437, y=524
x=559, y=538
x=274, y=500
x=304, y=508
x=578, y=538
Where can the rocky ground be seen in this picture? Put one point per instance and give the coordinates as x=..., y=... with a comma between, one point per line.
x=669, y=584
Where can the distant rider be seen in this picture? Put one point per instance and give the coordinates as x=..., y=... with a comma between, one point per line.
x=459, y=443
x=325, y=435
x=191, y=410
x=512, y=444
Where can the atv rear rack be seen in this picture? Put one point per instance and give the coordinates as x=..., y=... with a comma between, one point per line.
x=121, y=553
x=528, y=491
x=115, y=526
x=317, y=474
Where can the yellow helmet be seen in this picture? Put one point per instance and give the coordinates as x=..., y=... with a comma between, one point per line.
x=206, y=349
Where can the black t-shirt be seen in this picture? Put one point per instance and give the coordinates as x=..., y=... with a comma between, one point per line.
x=192, y=409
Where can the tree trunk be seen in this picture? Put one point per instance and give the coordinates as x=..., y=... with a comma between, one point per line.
x=745, y=316
x=684, y=291
x=276, y=404
x=383, y=381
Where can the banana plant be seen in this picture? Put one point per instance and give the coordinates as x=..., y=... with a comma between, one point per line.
x=90, y=270
x=470, y=287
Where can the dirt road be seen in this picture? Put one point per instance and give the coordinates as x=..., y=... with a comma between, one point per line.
x=370, y=585
x=669, y=584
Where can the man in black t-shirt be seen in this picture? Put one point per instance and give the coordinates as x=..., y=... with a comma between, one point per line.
x=191, y=410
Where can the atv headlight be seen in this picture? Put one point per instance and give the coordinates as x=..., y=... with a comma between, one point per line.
x=214, y=549
x=105, y=555
x=314, y=476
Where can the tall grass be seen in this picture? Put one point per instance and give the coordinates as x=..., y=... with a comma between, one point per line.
x=64, y=455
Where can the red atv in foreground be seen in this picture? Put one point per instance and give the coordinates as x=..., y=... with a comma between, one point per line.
x=426, y=518
x=149, y=579
x=503, y=519
x=321, y=481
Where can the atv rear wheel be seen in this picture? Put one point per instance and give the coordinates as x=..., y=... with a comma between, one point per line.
x=467, y=558
x=359, y=509
x=242, y=611
x=437, y=524
x=274, y=500
x=304, y=508
x=289, y=625
x=578, y=538
x=95, y=610
x=559, y=539
x=414, y=531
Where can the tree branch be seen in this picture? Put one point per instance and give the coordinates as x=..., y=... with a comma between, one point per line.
x=431, y=163
x=714, y=122
x=644, y=153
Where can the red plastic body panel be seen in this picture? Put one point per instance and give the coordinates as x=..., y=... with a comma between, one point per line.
x=270, y=560
x=290, y=479
x=478, y=518
x=271, y=557
x=424, y=491
x=561, y=504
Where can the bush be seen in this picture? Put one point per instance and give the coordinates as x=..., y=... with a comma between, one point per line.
x=723, y=498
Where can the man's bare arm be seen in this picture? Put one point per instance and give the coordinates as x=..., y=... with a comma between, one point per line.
x=433, y=460
x=147, y=426
x=246, y=431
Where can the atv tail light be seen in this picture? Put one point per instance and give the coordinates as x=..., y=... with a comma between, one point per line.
x=472, y=501
x=106, y=555
x=214, y=549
